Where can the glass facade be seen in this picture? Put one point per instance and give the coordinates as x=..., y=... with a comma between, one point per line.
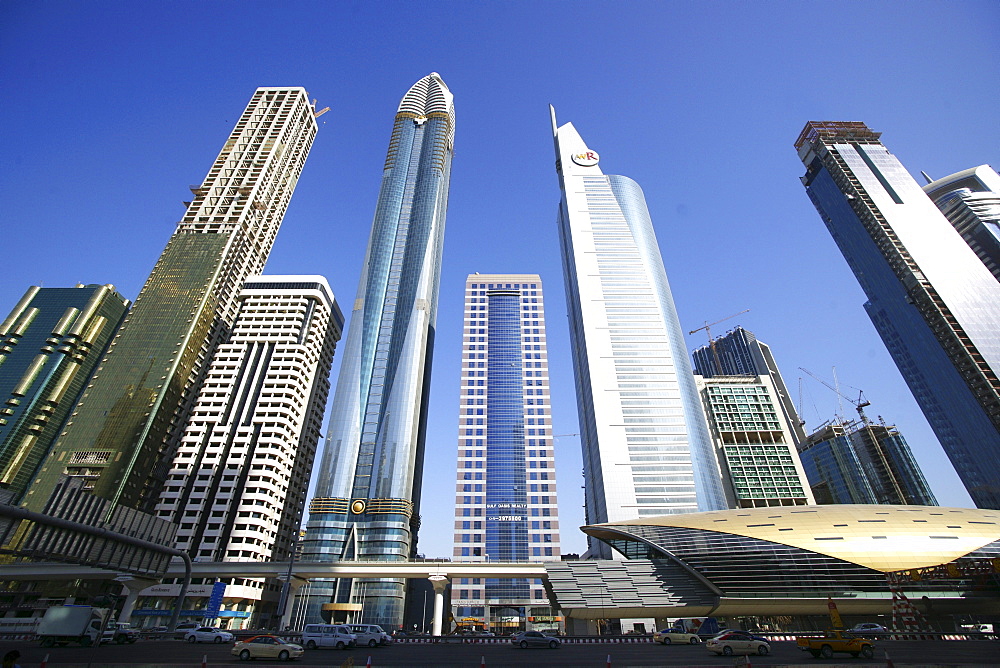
x=754, y=442
x=863, y=462
x=646, y=446
x=368, y=490
x=134, y=409
x=740, y=353
x=838, y=551
x=970, y=200
x=49, y=345
x=506, y=505
x=932, y=300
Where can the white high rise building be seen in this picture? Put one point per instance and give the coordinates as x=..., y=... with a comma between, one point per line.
x=646, y=446
x=238, y=484
x=505, y=494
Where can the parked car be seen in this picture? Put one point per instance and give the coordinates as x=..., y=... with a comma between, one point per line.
x=671, y=636
x=266, y=647
x=868, y=630
x=185, y=628
x=526, y=639
x=208, y=634
x=370, y=634
x=328, y=635
x=156, y=629
x=736, y=642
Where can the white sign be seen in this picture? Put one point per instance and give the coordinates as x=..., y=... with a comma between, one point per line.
x=586, y=159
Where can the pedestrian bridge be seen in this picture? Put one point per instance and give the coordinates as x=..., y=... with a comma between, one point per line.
x=305, y=570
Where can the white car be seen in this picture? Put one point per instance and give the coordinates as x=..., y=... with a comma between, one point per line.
x=209, y=634
x=737, y=642
x=675, y=636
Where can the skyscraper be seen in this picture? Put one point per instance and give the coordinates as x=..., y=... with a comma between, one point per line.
x=739, y=352
x=970, y=200
x=861, y=461
x=237, y=486
x=49, y=345
x=646, y=447
x=932, y=300
x=505, y=493
x=368, y=490
x=754, y=441
x=131, y=415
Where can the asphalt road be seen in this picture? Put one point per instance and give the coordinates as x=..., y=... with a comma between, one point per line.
x=169, y=653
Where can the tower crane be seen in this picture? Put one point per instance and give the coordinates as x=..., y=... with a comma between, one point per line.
x=711, y=342
x=859, y=403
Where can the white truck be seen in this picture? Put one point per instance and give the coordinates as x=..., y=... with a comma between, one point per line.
x=64, y=624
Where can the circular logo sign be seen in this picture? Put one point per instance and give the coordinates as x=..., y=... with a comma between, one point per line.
x=586, y=159
x=358, y=507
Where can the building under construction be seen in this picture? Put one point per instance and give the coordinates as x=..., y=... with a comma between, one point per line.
x=861, y=461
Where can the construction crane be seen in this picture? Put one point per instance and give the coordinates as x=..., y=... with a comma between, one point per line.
x=711, y=342
x=859, y=404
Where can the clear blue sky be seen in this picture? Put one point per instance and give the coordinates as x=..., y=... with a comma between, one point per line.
x=111, y=109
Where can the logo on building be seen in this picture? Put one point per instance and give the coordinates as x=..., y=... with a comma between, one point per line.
x=587, y=159
x=358, y=507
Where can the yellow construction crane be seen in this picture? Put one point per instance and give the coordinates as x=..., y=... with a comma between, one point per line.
x=711, y=342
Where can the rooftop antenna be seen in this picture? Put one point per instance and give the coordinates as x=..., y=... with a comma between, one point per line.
x=924, y=174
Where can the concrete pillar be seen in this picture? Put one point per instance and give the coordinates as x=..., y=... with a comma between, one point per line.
x=132, y=586
x=294, y=585
x=440, y=583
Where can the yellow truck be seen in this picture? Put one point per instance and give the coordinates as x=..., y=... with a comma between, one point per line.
x=836, y=641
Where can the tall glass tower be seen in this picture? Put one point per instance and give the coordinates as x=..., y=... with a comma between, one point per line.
x=739, y=352
x=932, y=300
x=132, y=414
x=49, y=345
x=646, y=446
x=505, y=494
x=970, y=200
x=368, y=491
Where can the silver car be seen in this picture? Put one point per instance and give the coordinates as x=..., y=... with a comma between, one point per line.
x=526, y=639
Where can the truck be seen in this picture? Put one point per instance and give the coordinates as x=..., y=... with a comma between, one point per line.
x=833, y=642
x=64, y=624
x=703, y=627
x=119, y=633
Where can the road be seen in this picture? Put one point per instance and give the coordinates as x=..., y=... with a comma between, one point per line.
x=171, y=653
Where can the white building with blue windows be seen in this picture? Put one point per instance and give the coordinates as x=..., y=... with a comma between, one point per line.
x=646, y=447
x=505, y=492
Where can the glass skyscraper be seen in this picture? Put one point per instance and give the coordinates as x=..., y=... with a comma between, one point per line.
x=970, y=200
x=739, y=352
x=368, y=490
x=49, y=345
x=132, y=413
x=863, y=462
x=932, y=300
x=505, y=494
x=646, y=446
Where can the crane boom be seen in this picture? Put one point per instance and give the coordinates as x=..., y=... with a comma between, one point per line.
x=711, y=342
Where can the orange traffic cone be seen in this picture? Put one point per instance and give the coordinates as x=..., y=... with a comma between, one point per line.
x=482, y=661
x=609, y=661
x=888, y=661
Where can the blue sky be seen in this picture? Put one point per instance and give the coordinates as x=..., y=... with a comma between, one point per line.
x=111, y=109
